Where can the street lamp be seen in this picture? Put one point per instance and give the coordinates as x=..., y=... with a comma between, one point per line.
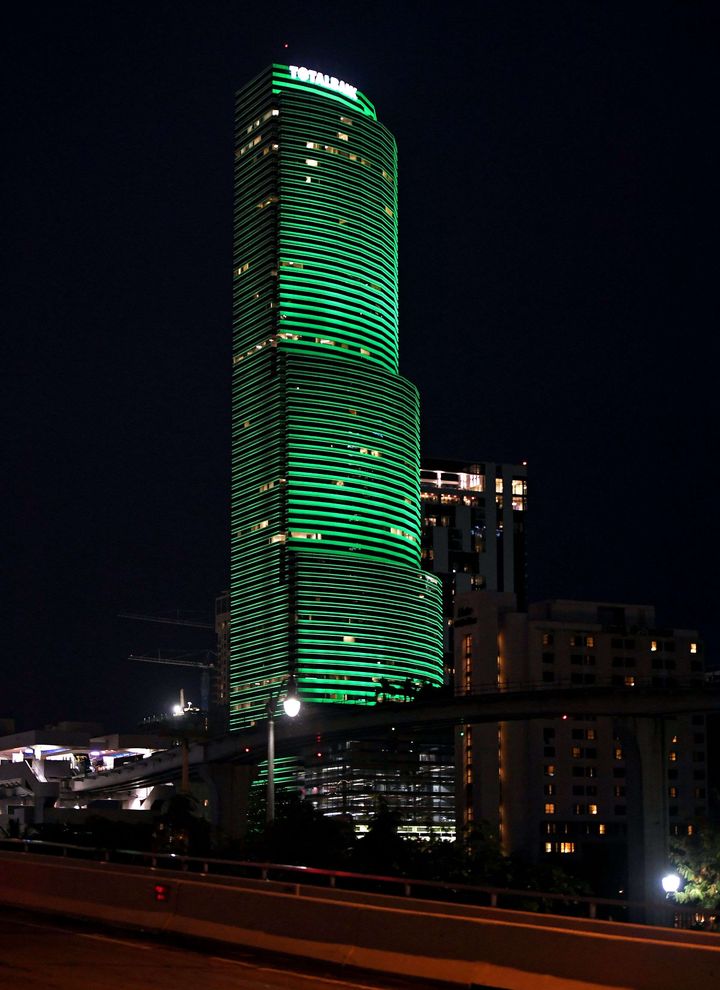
x=291, y=707
x=671, y=883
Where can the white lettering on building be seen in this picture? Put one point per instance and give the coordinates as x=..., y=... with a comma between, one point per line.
x=302, y=74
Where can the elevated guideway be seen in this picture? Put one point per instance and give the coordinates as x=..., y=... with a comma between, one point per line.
x=354, y=721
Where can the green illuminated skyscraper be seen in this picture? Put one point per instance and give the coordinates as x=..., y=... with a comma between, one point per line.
x=326, y=581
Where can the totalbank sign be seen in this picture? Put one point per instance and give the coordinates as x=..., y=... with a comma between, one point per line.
x=302, y=74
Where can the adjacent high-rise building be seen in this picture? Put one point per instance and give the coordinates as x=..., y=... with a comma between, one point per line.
x=579, y=789
x=473, y=533
x=326, y=583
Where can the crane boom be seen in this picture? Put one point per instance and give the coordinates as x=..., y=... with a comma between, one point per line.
x=182, y=660
x=166, y=620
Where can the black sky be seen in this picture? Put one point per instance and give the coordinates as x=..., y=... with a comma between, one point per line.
x=558, y=262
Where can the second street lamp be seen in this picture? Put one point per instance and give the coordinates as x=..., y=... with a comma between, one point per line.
x=291, y=706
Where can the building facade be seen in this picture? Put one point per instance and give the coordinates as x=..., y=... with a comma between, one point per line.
x=568, y=788
x=473, y=533
x=326, y=583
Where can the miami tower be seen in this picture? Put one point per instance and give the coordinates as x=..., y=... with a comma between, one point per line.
x=326, y=584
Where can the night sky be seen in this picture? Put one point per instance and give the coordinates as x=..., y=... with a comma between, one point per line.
x=558, y=254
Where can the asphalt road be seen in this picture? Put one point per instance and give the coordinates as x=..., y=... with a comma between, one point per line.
x=40, y=954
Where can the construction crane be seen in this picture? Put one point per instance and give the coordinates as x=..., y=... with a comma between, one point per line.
x=166, y=619
x=205, y=664
x=180, y=659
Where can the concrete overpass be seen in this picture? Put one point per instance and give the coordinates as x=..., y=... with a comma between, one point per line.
x=227, y=765
x=344, y=721
x=457, y=944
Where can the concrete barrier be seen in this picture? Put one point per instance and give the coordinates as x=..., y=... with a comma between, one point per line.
x=463, y=946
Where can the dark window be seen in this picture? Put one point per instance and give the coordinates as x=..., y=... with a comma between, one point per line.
x=611, y=615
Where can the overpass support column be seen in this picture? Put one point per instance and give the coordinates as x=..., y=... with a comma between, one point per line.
x=229, y=787
x=644, y=749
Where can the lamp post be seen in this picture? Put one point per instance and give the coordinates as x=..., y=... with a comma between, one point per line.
x=291, y=707
x=670, y=884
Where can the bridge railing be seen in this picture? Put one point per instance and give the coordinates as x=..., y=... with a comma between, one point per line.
x=542, y=902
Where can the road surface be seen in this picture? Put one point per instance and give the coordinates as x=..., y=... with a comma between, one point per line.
x=37, y=953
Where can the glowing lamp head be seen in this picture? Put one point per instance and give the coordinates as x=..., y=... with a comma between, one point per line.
x=291, y=705
x=291, y=701
x=671, y=883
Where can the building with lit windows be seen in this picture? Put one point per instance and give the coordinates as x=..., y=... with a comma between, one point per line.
x=326, y=583
x=578, y=786
x=473, y=533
